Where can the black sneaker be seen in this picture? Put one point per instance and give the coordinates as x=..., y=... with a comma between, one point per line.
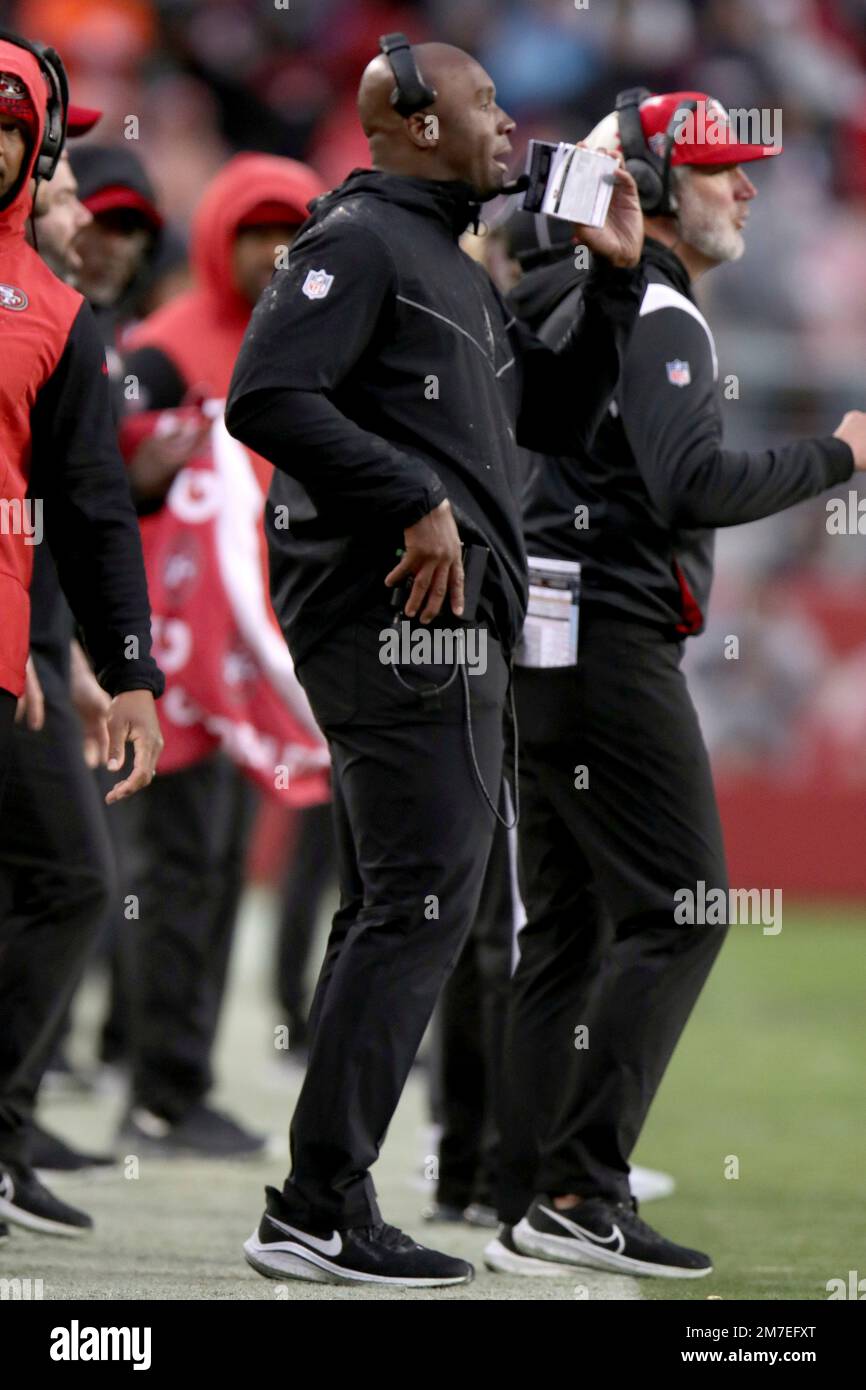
x=364, y=1255
x=26, y=1202
x=605, y=1235
x=51, y=1154
x=201, y=1133
x=503, y=1257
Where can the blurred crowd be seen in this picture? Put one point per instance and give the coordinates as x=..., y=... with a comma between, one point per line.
x=187, y=83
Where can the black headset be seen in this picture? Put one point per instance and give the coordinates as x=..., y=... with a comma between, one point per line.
x=411, y=93
x=57, y=106
x=651, y=172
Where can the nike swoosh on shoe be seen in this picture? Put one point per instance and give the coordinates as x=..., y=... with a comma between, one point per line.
x=333, y=1246
x=616, y=1239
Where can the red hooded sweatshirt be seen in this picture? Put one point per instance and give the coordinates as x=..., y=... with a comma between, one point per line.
x=59, y=464
x=205, y=547
x=201, y=331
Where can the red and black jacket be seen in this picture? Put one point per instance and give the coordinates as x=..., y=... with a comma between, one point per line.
x=60, y=470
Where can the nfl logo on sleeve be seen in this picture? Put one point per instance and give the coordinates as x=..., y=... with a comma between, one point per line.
x=317, y=284
x=679, y=372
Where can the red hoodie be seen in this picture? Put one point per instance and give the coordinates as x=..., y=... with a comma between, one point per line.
x=57, y=443
x=36, y=315
x=230, y=679
x=201, y=331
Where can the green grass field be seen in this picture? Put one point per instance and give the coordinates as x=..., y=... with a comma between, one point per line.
x=770, y=1073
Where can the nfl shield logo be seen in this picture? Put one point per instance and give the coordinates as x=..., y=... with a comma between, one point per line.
x=679, y=373
x=317, y=284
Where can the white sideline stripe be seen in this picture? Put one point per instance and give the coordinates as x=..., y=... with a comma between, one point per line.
x=666, y=297
x=509, y=363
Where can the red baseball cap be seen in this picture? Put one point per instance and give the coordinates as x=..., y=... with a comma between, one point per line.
x=16, y=103
x=706, y=135
x=80, y=120
x=272, y=211
x=121, y=196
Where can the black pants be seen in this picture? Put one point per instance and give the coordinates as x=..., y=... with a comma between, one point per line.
x=310, y=875
x=469, y=1039
x=8, y=705
x=191, y=830
x=413, y=835
x=599, y=867
x=55, y=875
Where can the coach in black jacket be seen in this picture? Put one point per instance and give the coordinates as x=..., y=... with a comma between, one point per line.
x=618, y=807
x=386, y=380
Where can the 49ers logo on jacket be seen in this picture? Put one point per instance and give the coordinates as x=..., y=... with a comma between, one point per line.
x=12, y=298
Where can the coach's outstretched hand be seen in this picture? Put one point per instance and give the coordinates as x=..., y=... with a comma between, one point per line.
x=132, y=719
x=853, y=431
x=434, y=556
x=620, y=240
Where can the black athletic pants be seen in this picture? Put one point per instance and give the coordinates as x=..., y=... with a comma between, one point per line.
x=310, y=875
x=413, y=835
x=602, y=950
x=469, y=1035
x=189, y=832
x=8, y=705
x=55, y=875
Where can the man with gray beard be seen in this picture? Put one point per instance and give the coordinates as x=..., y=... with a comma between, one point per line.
x=618, y=811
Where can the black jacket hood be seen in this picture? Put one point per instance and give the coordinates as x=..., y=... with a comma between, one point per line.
x=451, y=201
x=101, y=166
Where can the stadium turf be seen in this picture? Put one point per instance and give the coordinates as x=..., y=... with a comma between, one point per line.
x=768, y=1082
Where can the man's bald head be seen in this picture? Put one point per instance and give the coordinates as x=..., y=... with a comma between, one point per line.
x=462, y=135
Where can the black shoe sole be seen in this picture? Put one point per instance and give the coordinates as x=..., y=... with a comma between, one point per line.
x=284, y=1264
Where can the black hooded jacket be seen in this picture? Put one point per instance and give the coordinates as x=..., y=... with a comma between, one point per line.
x=638, y=507
x=381, y=373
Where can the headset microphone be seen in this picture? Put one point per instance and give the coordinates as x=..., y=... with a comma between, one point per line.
x=520, y=185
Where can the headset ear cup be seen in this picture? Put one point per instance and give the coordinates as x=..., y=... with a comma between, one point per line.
x=649, y=184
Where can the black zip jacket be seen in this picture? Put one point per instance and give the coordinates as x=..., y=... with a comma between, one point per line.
x=381, y=373
x=656, y=478
x=90, y=524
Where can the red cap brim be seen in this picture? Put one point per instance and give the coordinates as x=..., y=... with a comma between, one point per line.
x=732, y=153
x=81, y=119
x=108, y=199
